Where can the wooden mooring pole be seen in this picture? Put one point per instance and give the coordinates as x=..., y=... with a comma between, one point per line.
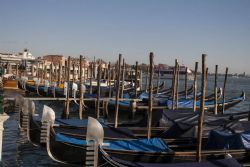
x=123, y=77
x=60, y=73
x=158, y=80
x=150, y=95
x=42, y=73
x=177, y=86
x=195, y=86
x=87, y=71
x=147, y=79
x=224, y=91
x=117, y=91
x=45, y=71
x=131, y=75
x=81, y=91
x=141, y=80
x=90, y=79
x=186, y=79
x=65, y=70
x=50, y=73
x=109, y=79
x=215, y=90
x=78, y=72
x=174, y=85
x=17, y=70
x=136, y=78
x=66, y=110
x=32, y=70
x=74, y=74
x=206, y=72
x=84, y=72
x=98, y=92
x=56, y=72
x=201, y=115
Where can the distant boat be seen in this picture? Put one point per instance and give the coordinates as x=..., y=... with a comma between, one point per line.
x=26, y=55
x=168, y=73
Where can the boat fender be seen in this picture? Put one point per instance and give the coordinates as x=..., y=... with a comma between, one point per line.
x=48, y=115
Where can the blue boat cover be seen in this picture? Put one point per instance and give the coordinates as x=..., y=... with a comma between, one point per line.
x=126, y=96
x=30, y=88
x=182, y=103
x=142, y=145
x=223, y=140
x=71, y=140
x=121, y=103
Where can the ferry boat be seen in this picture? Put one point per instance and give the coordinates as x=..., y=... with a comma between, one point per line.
x=11, y=57
x=8, y=65
x=168, y=73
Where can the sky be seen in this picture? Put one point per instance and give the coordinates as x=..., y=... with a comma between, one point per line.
x=171, y=29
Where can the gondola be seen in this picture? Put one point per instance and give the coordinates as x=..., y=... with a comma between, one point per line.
x=209, y=105
x=67, y=149
x=167, y=124
x=181, y=93
x=126, y=107
x=164, y=96
x=131, y=91
x=111, y=161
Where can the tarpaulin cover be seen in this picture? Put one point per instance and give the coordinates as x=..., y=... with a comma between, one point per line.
x=71, y=140
x=30, y=88
x=144, y=145
x=224, y=140
x=182, y=103
x=183, y=123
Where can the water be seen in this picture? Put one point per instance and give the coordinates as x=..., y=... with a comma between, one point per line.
x=17, y=151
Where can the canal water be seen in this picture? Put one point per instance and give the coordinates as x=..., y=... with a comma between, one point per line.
x=17, y=151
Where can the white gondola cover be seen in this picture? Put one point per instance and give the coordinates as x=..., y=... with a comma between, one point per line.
x=65, y=88
x=74, y=89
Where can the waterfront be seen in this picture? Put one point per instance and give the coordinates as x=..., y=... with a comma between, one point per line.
x=17, y=151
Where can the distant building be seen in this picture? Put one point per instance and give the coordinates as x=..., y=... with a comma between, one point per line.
x=161, y=67
x=54, y=59
x=57, y=59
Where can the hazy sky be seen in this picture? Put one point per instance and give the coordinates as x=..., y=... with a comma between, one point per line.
x=182, y=29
